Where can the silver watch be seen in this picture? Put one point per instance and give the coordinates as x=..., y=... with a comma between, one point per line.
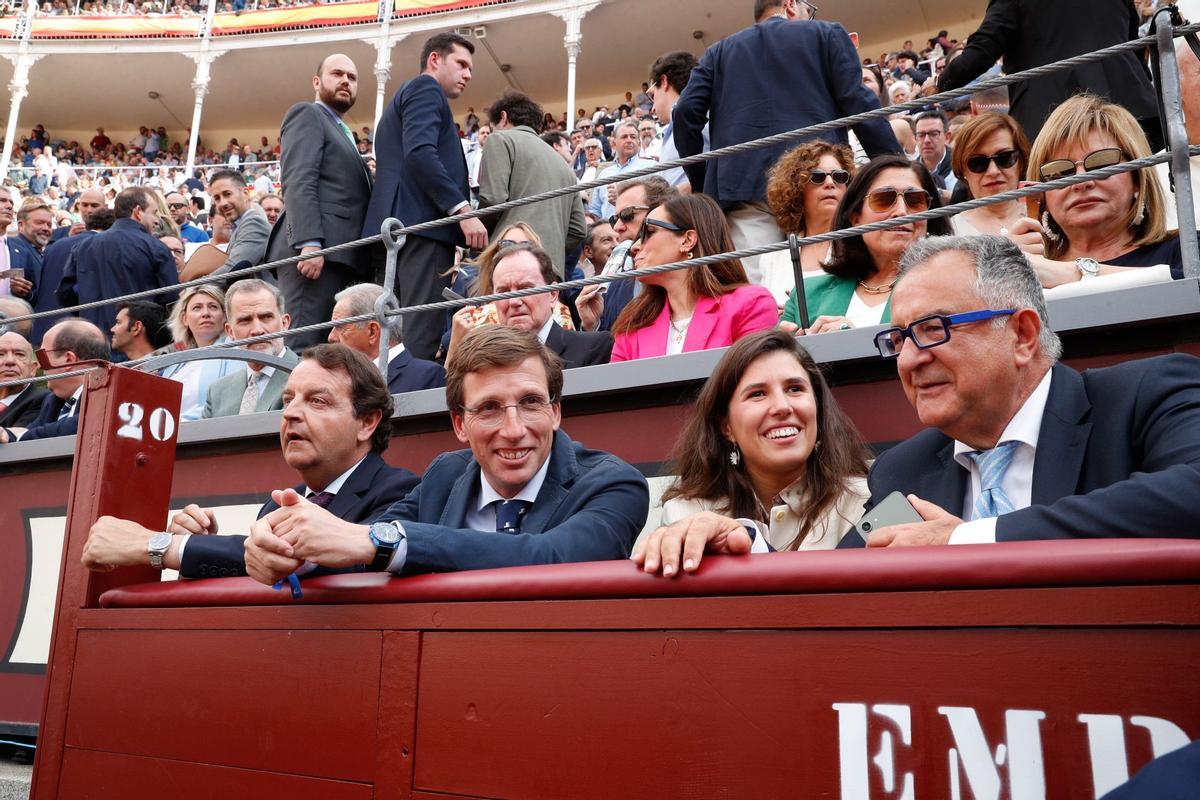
x=158, y=546
x=1088, y=267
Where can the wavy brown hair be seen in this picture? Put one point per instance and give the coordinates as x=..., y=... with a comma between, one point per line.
x=970, y=136
x=701, y=454
x=699, y=213
x=788, y=180
x=487, y=259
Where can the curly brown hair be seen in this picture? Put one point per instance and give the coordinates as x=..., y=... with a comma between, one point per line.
x=788, y=178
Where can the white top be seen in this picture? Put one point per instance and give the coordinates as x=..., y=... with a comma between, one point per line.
x=776, y=274
x=863, y=315
x=1024, y=427
x=677, y=335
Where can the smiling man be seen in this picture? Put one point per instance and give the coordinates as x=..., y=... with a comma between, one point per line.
x=333, y=432
x=523, y=493
x=250, y=229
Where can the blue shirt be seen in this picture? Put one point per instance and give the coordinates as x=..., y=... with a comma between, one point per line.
x=600, y=205
x=192, y=233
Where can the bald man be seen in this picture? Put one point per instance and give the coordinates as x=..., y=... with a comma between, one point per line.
x=19, y=405
x=54, y=260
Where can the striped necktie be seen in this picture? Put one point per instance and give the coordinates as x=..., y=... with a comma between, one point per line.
x=67, y=405
x=992, y=464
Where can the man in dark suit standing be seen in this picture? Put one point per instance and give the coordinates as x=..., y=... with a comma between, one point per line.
x=34, y=225
x=422, y=176
x=96, y=218
x=526, y=266
x=404, y=373
x=19, y=405
x=782, y=73
x=327, y=187
x=524, y=493
x=334, y=429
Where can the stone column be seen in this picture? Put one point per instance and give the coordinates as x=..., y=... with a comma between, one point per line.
x=573, y=16
x=18, y=89
x=200, y=84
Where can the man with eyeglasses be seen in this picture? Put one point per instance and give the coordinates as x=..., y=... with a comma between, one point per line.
x=1017, y=445
x=933, y=143
x=180, y=209
x=786, y=71
x=625, y=159
x=523, y=493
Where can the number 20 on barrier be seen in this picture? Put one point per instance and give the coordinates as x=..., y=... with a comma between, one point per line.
x=161, y=422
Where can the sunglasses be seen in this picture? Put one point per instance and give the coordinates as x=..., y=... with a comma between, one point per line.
x=626, y=215
x=884, y=199
x=1062, y=167
x=818, y=176
x=648, y=223
x=1004, y=159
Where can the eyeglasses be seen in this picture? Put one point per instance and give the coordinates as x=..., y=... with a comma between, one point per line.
x=931, y=331
x=507, y=243
x=626, y=215
x=818, y=176
x=1062, y=167
x=493, y=413
x=883, y=199
x=176, y=206
x=645, y=232
x=808, y=10
x=1004, y=159
x=929, y=134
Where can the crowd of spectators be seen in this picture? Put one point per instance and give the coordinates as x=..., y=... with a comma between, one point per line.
x=1016, y=444
x=149, y=8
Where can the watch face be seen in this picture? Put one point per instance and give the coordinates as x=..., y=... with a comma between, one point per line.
x=384, y=533
x=160, y=541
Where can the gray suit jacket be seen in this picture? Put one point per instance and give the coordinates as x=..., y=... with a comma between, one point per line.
x=326, y=186
x=249, y=240
x=225, y=394
x=517, y=163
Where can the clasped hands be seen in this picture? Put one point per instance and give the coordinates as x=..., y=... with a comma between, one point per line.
x=300, y=531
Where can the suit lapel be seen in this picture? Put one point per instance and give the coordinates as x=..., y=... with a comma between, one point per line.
x=704, y=319
x=555, y=342
x=396, y=365
x=339, y=134
x=652, y=339
x=560, y=476
x=947, y=485
x=464, y=490
x=358, y=482
x=273, y=392
x=1062, y=438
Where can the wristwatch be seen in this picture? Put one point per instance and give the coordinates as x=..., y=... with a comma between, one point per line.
x=1088, y=267
x=386, y=537
x=158, y=546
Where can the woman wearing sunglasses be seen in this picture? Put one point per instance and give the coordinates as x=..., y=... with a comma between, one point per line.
x=696, y=308
x=857, y=289
x=1102, y=226
x=803, y=190
x=990, y=154
x=767, y=444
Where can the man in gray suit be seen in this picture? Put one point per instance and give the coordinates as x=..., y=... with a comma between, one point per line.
x=248, y=242
x=252, y=308
x=517, y=163
x=327, y=187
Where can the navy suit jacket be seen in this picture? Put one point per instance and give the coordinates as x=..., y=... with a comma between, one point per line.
x=408, y=374
x=54, y=263
x=47, y=424
x=590, y=508
x=1174, y=776
x=26, y=409
x=1118, y=455
x=772, y=77
x=369, y=490
x=23, y=255
x=421, y=172
x=580, y=348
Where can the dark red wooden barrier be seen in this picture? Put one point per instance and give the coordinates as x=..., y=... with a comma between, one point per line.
x=1042, y=669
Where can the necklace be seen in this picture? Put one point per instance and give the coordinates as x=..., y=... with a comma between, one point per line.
x=882, y=288
x=679, y=331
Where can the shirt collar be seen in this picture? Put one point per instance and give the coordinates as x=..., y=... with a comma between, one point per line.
x=336, y=484
x=1024, y=427
x=545, y=331
x=394, y=351
x=529, y=493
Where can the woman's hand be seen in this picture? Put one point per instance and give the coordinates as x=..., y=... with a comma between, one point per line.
x=1027, y=234
x=590, y=305
x=688, y=540
x=827, y=324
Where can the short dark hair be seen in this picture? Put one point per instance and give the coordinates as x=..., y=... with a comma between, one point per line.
x=227, y=175
x=676, y=67
x=761, y=7
x=368, y=391
x=658, y=191
x=153, y=318
x=131, y=198
x=443, y=44
x=935, y=114
x=909, y=54
x=498, y=346
x=100, y=220
x=553, y=138
x=521, y=110
x=589, y=240
x=545, y=265
x=82, y=338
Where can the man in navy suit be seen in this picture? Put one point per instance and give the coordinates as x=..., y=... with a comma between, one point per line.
x=35, y=222
x=19, y=405
x=782, y=73
x=96, y=217
x=64, y=346
x=421, y=175
x=1018, y=446
x=524, y=493
x=405, y=373
x=334, y=428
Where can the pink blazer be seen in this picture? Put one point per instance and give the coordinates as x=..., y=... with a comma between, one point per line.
x=716, y=322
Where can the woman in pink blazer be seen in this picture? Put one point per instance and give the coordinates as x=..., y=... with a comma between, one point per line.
x=692, y=309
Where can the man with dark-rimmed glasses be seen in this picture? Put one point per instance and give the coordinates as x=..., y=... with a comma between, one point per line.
x=523, y=493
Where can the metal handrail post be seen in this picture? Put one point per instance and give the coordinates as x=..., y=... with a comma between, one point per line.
x=1177, y=142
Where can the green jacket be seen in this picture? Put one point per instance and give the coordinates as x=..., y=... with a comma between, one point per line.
x=827, y=295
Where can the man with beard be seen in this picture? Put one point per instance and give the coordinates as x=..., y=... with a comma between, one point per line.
x=327, y=188
x=250, y=230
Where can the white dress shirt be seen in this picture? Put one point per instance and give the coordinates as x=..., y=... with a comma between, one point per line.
x=1024, y=428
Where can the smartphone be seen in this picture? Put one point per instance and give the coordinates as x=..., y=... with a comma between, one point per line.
x=892, y=510
x=1033, y=203
x=450, y=294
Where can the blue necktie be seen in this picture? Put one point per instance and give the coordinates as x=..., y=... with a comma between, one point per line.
x=509, y=514
x=992, y=464
x=67, y=405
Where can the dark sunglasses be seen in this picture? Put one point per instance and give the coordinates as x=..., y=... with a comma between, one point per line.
x=175, y=206
x=818, y=176
x=626, y=215
x=644, y=233
x=884, y=199
x=1062, y=167
x=1004, y=159
x=507, y=243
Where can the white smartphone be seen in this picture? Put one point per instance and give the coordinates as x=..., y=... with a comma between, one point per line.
x=892, y=510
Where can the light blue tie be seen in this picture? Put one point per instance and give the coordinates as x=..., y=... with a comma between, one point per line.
x=992, y=464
